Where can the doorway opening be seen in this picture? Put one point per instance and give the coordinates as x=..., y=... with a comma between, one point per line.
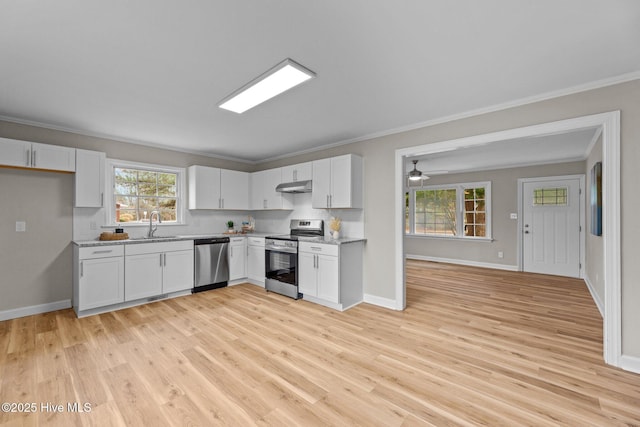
x=608, y=125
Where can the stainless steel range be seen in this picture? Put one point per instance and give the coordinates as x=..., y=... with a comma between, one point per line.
x=281, y=256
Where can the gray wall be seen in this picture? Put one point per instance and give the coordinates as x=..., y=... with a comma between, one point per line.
x=504, y=200
x=35, y=265
x=379, y=155
x=594, y=258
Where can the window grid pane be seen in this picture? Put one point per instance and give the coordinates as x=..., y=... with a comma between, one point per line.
x=138, y=192
x=474, y=212
x=550, y=196
x=435, y=212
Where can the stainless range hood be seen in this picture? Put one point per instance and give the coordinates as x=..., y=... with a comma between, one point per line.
x=295, y=187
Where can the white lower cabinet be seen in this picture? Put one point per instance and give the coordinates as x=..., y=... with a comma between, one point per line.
x=331, y=274
x=98, y=277
x=237, y=258
x=255, y=260
x=158, y=268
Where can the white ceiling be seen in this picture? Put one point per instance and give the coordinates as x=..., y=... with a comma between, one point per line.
x=153, y=71
x=556, y=148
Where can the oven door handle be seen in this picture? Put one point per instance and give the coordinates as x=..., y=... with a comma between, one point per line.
x=281, y=249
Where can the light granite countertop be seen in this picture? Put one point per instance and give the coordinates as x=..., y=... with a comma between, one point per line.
x=324, y=240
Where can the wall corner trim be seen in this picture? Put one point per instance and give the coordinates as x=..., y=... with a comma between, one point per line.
x=380, y=301
x=594, y=295
x=630, y=363
x=34, y=309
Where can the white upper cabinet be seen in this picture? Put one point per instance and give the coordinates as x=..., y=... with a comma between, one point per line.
x=204, y=187
x=213, y=188
x=337, y=182
x=234, y=189
x=299, y=172
x=89, y=179
x=15, y=153
x=263, y=191
x=38, y=156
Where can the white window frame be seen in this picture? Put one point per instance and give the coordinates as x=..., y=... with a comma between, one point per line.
x=181, y=194
x=459, y=187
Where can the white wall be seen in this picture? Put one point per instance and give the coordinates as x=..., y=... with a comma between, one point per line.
x=278, y=221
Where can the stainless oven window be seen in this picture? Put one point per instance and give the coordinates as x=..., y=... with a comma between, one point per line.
x=282, y=266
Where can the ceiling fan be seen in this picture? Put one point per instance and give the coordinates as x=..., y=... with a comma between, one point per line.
x=415, y=174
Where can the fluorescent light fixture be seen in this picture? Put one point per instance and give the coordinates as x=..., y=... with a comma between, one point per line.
x=280, y=78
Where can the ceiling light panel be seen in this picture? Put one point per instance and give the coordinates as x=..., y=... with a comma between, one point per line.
x=277, y=80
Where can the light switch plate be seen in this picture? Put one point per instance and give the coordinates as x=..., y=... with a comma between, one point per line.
x=513, y=216
x=21, y=226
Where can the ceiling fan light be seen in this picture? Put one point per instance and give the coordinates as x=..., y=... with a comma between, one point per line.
x=415, y=175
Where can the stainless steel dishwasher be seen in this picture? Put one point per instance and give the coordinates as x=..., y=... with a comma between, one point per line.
x=211, y=263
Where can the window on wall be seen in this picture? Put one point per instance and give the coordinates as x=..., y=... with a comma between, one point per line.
x=453, y=210
x=139, y=189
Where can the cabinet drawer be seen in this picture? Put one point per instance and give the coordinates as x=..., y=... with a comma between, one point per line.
x=318, y=248
x=94, y=252
x=237, y=239
x=256, y=241
x=156, y=247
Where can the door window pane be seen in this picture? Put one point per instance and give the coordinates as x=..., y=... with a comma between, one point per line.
x=550, y=196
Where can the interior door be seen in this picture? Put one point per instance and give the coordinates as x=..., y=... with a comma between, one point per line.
x=551, y=226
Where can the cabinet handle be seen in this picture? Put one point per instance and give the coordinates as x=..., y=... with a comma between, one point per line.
x=295, y=174
x=330, y=200
x=222, y=203
x=81, y=268
x=106, y=251
x=28, y=161
x=160, y=260
x=316, y=248
x=102, y=199
x=231, y=251
x=165, y=260
x=33, y=158
x=327, y=200
x=264, y=203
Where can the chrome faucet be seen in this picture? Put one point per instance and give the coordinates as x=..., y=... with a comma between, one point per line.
x=153, y=228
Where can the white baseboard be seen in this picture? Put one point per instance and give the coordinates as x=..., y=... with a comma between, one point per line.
x=630, y=363
x=594, y=295
x=34, y=309
x=380, y=301
x=464, y=262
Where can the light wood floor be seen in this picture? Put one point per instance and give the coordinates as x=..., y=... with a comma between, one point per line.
x=474, y=347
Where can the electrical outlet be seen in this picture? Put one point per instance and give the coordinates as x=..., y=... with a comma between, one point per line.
x=500, y=254
x=93, y=225
x=21, y=226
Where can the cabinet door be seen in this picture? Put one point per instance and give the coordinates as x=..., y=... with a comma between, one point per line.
x=89, y=179
x=328, y=278
x=143, y=276
x=256, y=263
x=298, y=172
x=101, y=282
x=272, y=178
x=307, y=274
x=15, y=153
x=321, y=183
x=237, y=260
x=257, y=200
x=53, y=157
x=341, y=182
x=234, y=189
x=178, y=271
x=204, y=187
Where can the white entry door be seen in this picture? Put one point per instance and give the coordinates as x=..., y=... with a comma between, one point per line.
x=551, y=226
